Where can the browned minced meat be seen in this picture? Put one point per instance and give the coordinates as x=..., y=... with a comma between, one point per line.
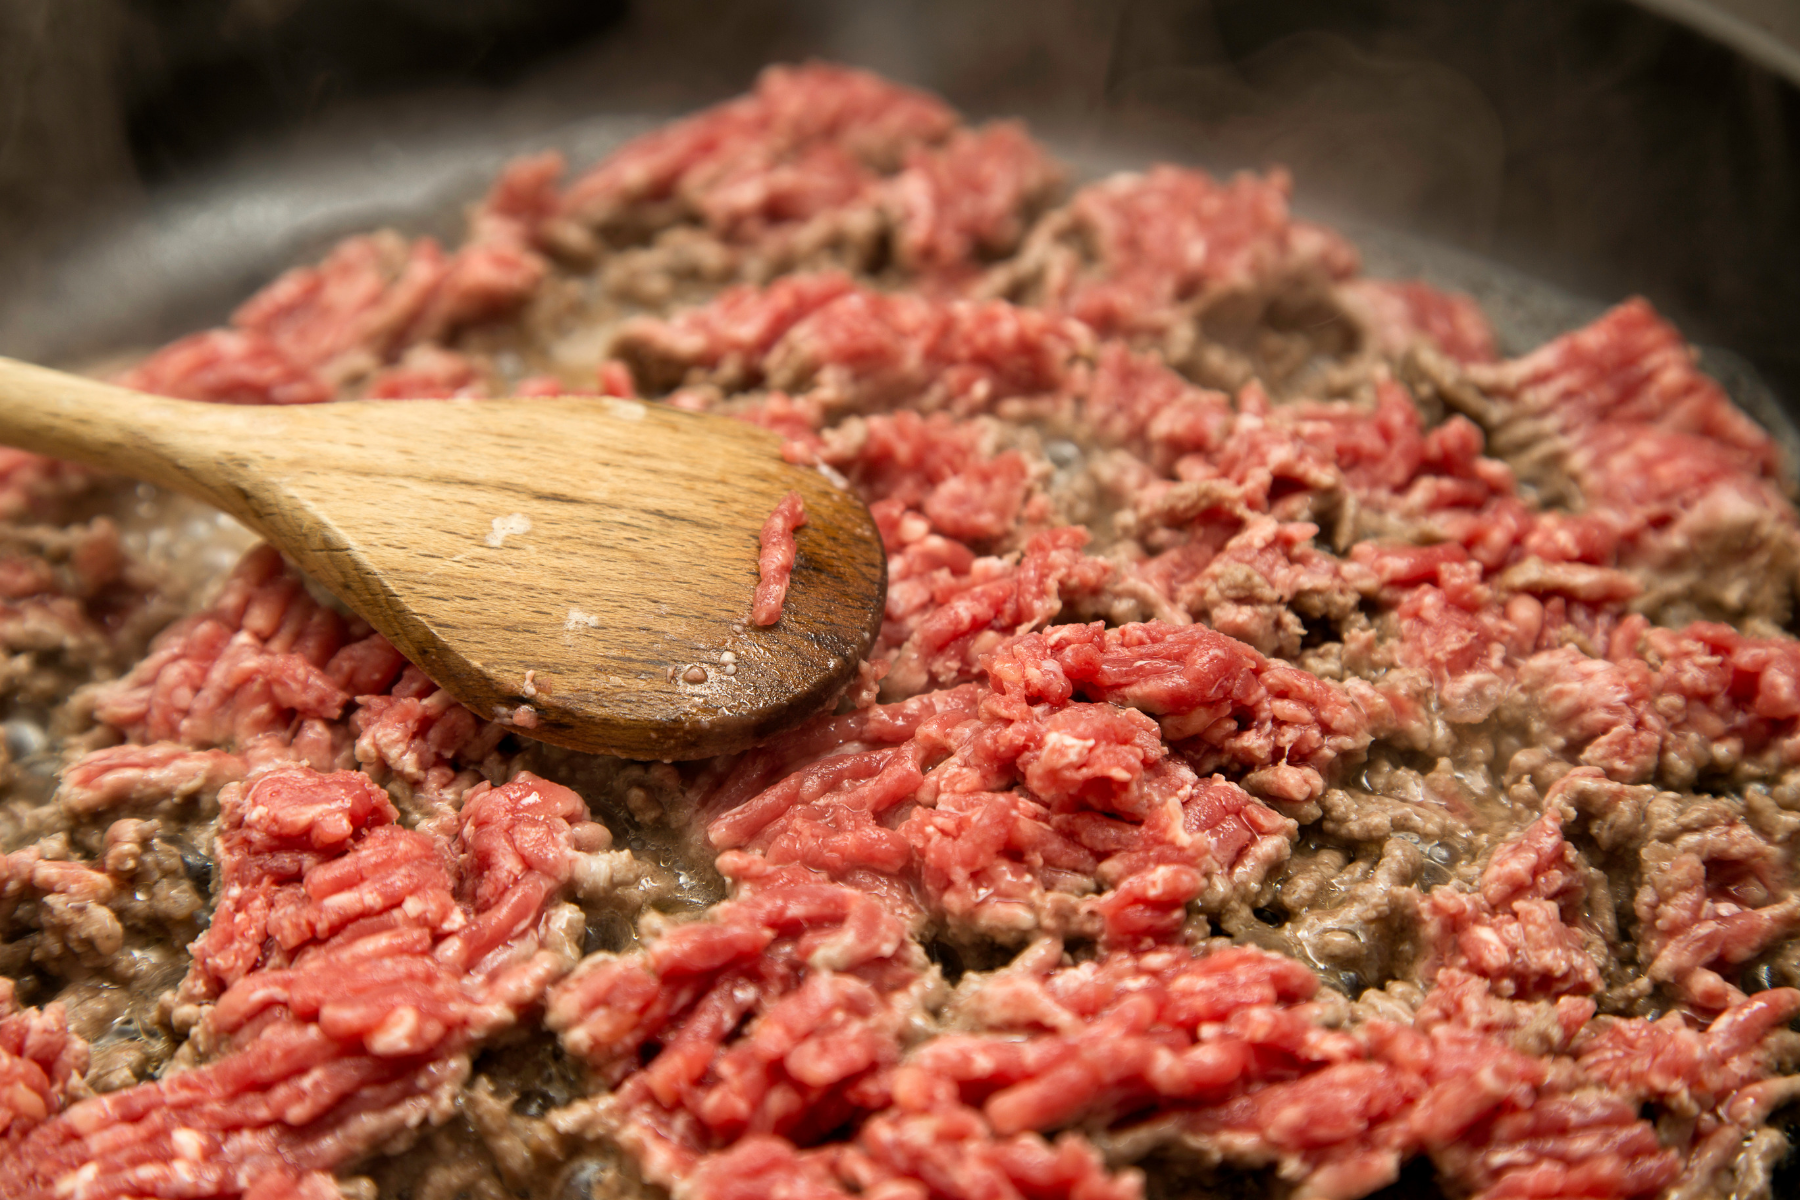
x=1302, y=751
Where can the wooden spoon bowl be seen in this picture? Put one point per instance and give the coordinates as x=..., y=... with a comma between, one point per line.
x=580, y=566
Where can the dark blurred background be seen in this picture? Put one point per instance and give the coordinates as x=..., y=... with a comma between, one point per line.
x=1609, y=147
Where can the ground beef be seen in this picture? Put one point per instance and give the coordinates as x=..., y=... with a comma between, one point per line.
x=76, y=604
x=1304, y=749
x=39, y=1060
x=1153, y=256
x=775, y=560
x=349, y=964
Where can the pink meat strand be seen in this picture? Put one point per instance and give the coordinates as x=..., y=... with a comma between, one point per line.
x=353, y=964
x=775, y=565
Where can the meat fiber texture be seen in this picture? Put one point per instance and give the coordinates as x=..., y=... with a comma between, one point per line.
x=1299, y=740
x=775, y=560
x=269, y=675
x=39, y=1060
x=350, y=967
x=1010, y=805
x=1234, y=1049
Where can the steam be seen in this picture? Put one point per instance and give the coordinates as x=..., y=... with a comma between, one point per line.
x=1396, y=140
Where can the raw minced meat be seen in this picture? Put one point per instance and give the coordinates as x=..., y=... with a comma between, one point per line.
x=775, y=559
x=1300, y=742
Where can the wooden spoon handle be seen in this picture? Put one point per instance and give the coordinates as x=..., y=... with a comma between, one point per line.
x=114, y=428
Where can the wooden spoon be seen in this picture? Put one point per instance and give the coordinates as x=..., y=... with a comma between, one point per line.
x=584, y=563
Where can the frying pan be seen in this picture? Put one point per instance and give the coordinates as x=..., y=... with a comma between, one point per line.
x=159, y=161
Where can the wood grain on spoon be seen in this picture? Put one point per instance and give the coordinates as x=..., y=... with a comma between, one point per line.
x=591, y=558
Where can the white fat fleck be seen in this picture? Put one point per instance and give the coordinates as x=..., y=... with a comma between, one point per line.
x=593, y=873
x=1061, y=749
x=67, y=1185
x=834, y=475
x=728, y=657
x=581, y=620
x=563, y=926
x=397, y=1034
x=188, y=1143
x=505, y=527
x=625, y=410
